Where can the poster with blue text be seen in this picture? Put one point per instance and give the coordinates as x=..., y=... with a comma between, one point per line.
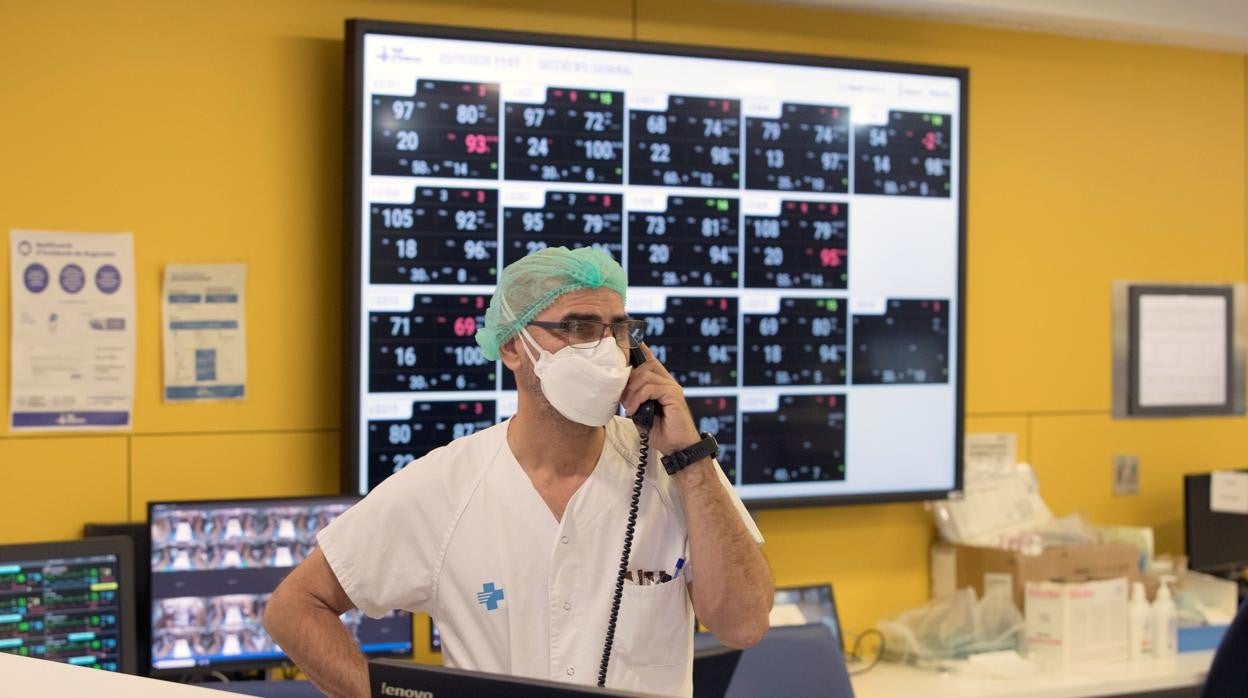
x=205, y=341
x=72, y=340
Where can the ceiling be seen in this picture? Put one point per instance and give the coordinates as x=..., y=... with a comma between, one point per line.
x=1219, y=25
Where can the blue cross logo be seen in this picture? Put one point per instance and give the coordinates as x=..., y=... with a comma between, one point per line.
x=489, y=596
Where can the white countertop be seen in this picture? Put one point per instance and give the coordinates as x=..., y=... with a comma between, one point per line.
x=35, y=678
x=1080, y=681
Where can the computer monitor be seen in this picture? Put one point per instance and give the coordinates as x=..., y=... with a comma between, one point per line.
x=214, y=565
x=792, y=229
x=793, y=660
x=389, y=677
x=70, y=601
x=1217, y=542
x=141, y=574
x=713, y=668
x=797, y=605
x=802, y=605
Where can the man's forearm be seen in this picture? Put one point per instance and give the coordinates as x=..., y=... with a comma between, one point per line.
x=317, y=641
x=733, y=583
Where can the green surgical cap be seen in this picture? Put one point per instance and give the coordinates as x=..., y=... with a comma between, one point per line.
x=530, y=284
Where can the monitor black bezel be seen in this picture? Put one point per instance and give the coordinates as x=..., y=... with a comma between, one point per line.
x=118, y=546
x=1200, y=485
x=410, y=678
x=248, y=665
x=137, y=533
x=356, y=29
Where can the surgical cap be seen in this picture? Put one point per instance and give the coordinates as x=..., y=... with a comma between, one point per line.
x=530, y=284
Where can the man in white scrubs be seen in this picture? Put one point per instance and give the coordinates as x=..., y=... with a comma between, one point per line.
x=511, y=538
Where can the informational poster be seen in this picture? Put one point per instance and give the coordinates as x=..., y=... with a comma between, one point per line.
x=72, y=341
x=989, y=455
x=205, y=343
x=1182, y=348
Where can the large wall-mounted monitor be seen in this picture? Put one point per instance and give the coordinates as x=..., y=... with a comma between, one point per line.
x=214, y=565
x=70, y=601
x=792, y=227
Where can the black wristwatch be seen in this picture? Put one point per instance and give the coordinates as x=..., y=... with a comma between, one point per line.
x=675, y=462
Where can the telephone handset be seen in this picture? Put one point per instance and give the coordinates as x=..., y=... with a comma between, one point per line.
x=644, y=419
x=644, y=416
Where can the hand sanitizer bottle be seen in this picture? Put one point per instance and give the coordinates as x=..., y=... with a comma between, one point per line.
x=1165, y=623
x=1140, y=619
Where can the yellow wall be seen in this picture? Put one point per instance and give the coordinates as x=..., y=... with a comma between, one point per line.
x=212, y=130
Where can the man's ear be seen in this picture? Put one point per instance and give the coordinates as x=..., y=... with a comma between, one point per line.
x=509, y=352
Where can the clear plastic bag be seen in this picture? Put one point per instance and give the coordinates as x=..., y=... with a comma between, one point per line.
x=1072, y=529
x=953, y=627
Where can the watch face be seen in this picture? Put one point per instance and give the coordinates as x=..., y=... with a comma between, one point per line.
x=712, y=444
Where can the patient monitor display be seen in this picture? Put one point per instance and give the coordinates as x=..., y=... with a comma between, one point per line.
x=214, y=565
x=70, y=602
x=792, y=230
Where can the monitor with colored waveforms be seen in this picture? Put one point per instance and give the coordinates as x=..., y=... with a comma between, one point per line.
x=792, y=229
x=214, y=565
x=70, y=601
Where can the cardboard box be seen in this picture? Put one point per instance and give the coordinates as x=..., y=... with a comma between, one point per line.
x=1076, y=622
x=958, y=566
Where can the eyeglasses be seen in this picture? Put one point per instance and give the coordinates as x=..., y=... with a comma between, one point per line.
x=587, y=334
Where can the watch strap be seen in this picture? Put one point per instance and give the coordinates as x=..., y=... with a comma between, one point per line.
x=675, y=462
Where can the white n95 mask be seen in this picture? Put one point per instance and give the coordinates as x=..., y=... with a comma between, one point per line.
x=584, y=385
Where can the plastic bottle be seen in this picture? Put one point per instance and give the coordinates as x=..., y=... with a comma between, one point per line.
x=1140, y=622
x=1165, y=623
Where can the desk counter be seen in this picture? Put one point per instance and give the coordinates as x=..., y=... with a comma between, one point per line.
x=36, y=678
x=1187, y=670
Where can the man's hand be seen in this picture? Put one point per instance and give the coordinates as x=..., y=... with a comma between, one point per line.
x=673, y=430
x=733, y=591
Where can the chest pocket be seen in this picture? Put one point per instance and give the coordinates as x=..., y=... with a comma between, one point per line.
x=653, y=624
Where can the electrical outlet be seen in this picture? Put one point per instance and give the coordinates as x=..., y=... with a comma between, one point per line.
x=1126, y=475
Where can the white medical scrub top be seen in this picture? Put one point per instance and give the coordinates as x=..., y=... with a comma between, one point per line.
x=462, y=535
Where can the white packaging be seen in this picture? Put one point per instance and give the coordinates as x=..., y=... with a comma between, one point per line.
x=1139, y=622
x=993, y=508
x=1076, y=622
x=1218, y=598
x=1165, y=623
